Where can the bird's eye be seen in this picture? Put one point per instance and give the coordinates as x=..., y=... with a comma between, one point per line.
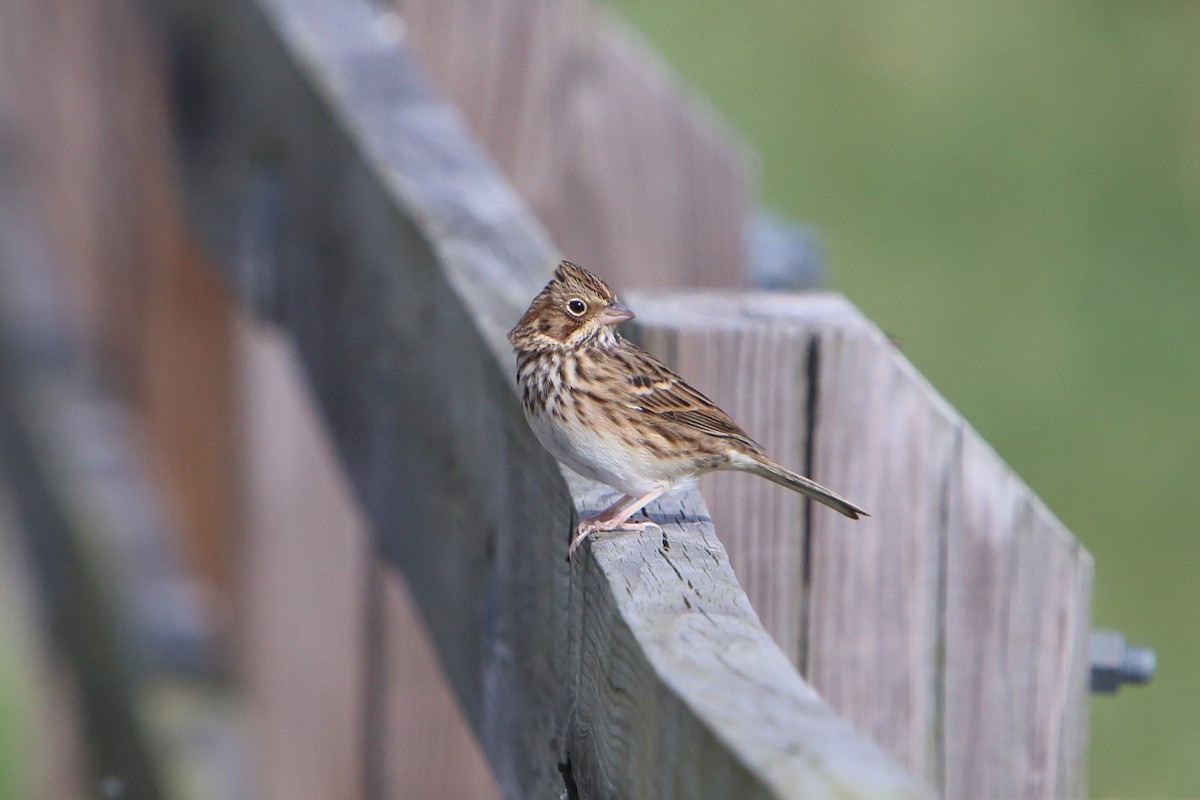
x=576, y=306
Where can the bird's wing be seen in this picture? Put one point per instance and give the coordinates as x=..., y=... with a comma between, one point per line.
x=655, y=389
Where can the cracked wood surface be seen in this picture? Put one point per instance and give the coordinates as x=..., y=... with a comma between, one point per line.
x=344, y=200
x=687, y=645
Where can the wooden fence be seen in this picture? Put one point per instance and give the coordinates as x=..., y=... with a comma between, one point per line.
x=378, y=256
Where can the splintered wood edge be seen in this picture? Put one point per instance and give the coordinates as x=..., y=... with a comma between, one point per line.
x=667, y=652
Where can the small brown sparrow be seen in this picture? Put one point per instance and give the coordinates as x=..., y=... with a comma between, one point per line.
x=614, y=413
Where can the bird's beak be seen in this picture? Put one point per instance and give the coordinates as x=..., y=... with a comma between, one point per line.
x=615, y=313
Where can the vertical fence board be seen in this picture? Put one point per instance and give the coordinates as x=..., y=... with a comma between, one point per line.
x=1017, y=625
x=765, y=523
x=427, y=748
x=880, y=437
x=185, y=374
x=952, y=624
x=303, y=566
x=307, y=563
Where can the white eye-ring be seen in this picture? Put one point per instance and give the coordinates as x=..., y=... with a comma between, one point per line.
x=577, y=307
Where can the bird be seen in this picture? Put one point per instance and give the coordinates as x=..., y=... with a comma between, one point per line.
x=612, y=412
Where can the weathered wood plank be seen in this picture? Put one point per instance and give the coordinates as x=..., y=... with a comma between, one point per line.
x=951, y=611
x=302, y=569
x=690, y=629
x=399, y=261
x=307, y=574
x=504, y=65
x=821, y=389
x=377, y=316
x=881, y=435
x=1017, y=625
x=427, y=746
x=183, y=342
x=758, y=371
x=631, y=174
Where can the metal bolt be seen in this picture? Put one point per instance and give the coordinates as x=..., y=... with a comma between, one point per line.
x=1115, y=662
x=784, y=255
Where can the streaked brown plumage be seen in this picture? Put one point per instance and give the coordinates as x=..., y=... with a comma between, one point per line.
x=614, y=413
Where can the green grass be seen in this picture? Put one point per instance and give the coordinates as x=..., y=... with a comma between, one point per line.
x=14, y=710
x=1013, y=190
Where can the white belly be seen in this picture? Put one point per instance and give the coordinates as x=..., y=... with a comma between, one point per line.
x=605, y=459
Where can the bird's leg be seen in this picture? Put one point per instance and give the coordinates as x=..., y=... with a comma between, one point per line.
x=619, y=516
x=622, y=500
x=614, y=518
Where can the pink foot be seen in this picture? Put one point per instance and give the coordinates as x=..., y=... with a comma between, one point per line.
x=598, y=524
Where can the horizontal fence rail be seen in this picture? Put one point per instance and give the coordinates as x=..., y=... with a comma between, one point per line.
x=344, y=201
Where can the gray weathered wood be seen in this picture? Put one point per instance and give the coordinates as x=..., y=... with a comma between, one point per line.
x=1017, y=626
x=879, y=433
x=399, y=261
x=758, y=372
x=686, y=623
x=951, y=624
x=630, y=172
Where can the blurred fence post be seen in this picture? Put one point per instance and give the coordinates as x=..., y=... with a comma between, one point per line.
x=631, y=172
x=49, y=468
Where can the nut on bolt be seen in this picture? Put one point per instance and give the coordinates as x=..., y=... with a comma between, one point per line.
x=1114, y=662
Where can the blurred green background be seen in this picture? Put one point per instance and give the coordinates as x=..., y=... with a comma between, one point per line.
x=1013, y=190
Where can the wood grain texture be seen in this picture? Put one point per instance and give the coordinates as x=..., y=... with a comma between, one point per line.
x=759, y=374
x=952, y=624
x=881, y=435
x=1017, y=624
x=632, y=174
x=682, y=643
x=398, y=262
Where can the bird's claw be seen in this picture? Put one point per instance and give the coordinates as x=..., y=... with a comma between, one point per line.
x=590, y=526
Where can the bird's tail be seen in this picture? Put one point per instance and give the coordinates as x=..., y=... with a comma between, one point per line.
x=766, y=468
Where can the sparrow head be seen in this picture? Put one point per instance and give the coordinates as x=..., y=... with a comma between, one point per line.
x=574, y=307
